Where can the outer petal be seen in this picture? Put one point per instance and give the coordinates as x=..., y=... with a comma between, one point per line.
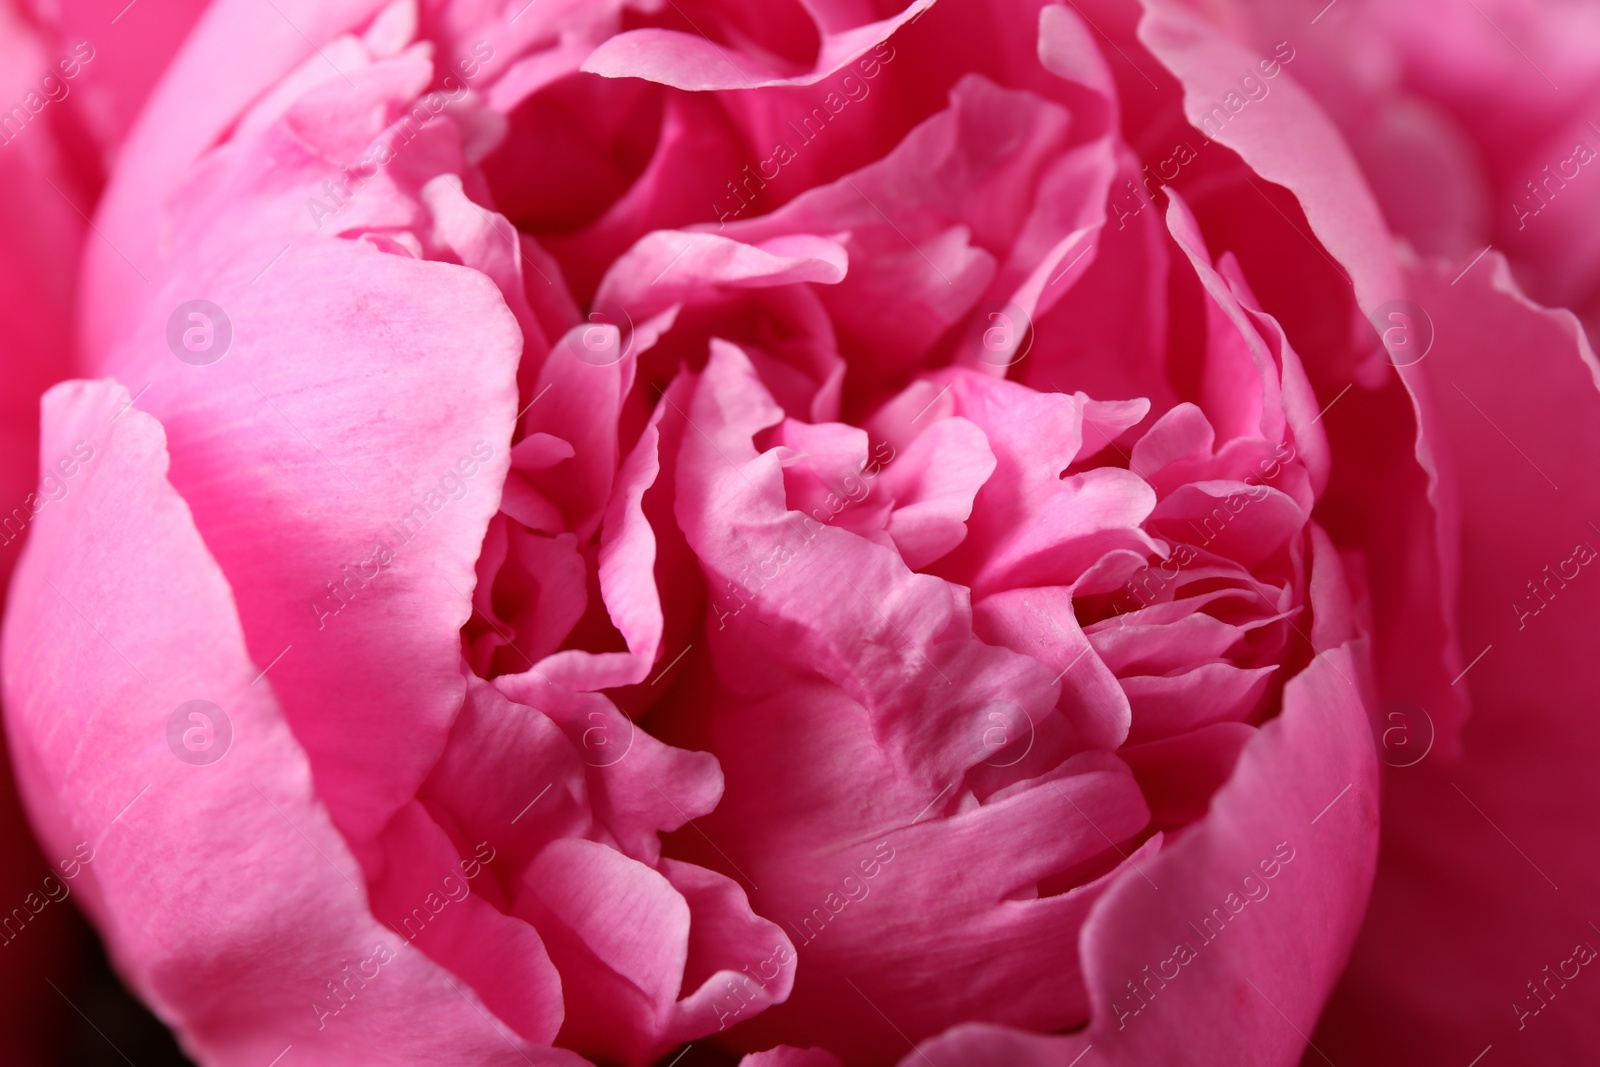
x=1482, y=844
x=119, y=617
x=1302, y=150
x=345, y=453
x=324, y=495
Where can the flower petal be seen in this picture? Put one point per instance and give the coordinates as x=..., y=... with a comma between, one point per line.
x=119, y=616
x=1487, y=839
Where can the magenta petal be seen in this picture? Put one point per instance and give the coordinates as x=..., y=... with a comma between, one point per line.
x=125, y=65
x=1482, y=843
x=1203, y=695
x=1040, y=623
x=628, y=551
x=1179, y=775
x=40, y=233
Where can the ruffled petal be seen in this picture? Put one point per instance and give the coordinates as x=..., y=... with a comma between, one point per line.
x=1294, y=144
x=1246, y=917
x=687, y=59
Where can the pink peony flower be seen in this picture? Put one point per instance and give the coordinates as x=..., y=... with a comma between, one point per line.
x=831, y=533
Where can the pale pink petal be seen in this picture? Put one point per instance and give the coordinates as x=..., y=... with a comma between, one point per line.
x=283, y=876
x=347, y=509
x=788, y=1056
x=665, y=267
x=933, y=484
x=690, y=60
x=399, y=548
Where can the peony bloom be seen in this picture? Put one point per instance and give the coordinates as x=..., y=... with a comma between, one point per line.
x=828, y=534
